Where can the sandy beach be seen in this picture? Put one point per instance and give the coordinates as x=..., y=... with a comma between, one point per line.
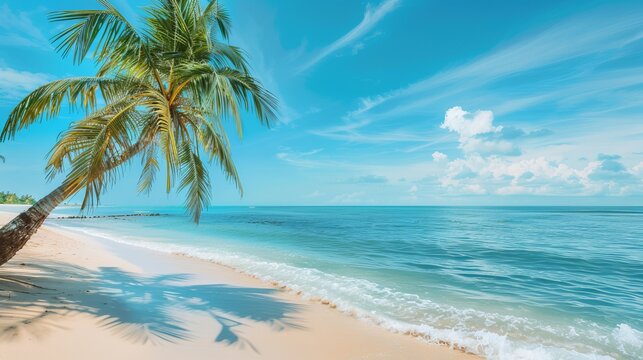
x=79, y=297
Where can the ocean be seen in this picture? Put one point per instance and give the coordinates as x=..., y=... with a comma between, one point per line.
x=502, y=282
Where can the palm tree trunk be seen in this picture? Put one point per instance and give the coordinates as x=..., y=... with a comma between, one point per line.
x=15, y=234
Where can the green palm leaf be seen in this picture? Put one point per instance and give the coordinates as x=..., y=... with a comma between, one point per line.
x=46, y=101
x=195, y=179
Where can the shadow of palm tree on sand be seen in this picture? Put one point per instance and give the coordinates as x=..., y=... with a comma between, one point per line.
x=140, y=309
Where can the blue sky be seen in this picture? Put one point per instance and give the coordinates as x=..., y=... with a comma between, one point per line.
x=410, y=102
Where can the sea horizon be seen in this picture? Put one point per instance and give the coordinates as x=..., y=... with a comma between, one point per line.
x=335, y=205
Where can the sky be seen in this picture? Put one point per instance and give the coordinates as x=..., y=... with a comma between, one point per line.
x=394, y=102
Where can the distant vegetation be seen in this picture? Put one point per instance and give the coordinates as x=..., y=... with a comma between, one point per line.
x=11, y=198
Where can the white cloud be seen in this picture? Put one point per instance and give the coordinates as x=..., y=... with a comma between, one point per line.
x=638, y=168
x=371, y=17
x=468, y=125
x=438, y=156
x=413, y=189
x=486, y=168
x=17, y=29
x=15, y=83
x=475, y=189
x=540, y=176
x=471, y=127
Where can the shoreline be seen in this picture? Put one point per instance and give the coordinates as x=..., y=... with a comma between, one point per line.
x=324, y=331
x=279, y=285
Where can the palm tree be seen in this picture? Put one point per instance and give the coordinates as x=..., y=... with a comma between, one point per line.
x=167, y=88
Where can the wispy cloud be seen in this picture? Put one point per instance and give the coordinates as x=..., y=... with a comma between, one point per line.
x=591, y=34
x=15, y=83
x=544, y=68
x=372, y=16
x=272, y=64
x=17, y=29
x=346, y=134
x=300, y=159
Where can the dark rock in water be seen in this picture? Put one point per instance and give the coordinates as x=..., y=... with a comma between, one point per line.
x=104, y=216
x=266, y=222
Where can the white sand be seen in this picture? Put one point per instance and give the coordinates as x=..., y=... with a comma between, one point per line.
x=69, y=297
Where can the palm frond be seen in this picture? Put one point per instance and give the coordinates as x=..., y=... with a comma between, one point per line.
x=159, y=106
x=226, y=89
x=216, y=145
x=215, y=16
x=91, y=145
x=150, y=169
x=75, y=138
x=225, y=55
x=105, y=29
x=46, y=101
x=251, y=93
x=196, y=180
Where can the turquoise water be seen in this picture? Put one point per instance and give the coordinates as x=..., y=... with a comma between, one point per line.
x=503, y=282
